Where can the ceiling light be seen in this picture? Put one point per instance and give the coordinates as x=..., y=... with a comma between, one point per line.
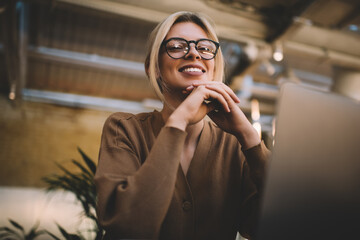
x=255, y=110
x=278, y=56
x=12, y=94
x=278, y=52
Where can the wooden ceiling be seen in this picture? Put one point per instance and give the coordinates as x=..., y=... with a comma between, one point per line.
x=97, y=48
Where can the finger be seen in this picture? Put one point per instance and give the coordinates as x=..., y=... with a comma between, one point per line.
x=219, y=84
x=188, y=90
x=224, y=94
x=213, y=95
x=231, y=93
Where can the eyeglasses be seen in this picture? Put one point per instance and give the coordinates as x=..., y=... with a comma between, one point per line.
x=178, y=47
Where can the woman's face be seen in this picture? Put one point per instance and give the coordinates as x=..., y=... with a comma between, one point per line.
x=181, y=73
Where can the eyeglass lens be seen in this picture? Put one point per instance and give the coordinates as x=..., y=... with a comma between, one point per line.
x=178, y=48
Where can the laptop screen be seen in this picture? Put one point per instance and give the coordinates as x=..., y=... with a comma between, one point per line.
x=313, y=183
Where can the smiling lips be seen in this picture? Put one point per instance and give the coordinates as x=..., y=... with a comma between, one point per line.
x=192, y=70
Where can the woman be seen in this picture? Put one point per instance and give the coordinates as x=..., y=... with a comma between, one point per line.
x=172, y=174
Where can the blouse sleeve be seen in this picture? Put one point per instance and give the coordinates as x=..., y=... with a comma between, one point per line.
x=257, y=159
x=133, y=199
x=254, y=172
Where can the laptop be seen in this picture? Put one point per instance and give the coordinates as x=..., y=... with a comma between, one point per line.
x=312, y=189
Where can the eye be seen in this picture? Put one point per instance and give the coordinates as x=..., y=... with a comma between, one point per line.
x=175, y=47
x=205, y=49
x=206, y=46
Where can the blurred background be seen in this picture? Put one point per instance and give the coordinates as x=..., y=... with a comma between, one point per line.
x=65, y=65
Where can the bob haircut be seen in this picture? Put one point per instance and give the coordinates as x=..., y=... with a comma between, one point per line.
x=158, y=35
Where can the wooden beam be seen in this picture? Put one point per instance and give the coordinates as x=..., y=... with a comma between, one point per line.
x=88, y=60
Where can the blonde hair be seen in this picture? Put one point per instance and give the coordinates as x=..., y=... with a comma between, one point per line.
x=158, y=35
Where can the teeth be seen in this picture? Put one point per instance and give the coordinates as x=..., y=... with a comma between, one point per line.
x=192, y=70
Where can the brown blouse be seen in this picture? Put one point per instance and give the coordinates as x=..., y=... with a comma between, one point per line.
x=144, y=194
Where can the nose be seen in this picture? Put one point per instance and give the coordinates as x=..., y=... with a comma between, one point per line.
x=193, y=53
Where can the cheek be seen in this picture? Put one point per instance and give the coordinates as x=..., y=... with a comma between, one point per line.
x=212, y=71
x=161, y=61
x=164, y=64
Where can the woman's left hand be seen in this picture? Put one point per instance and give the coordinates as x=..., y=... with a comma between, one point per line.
x=234, y=122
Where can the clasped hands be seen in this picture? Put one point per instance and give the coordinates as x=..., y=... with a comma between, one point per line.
x=219, y=102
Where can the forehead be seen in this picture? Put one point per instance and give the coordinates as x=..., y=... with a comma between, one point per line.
x=186, y=30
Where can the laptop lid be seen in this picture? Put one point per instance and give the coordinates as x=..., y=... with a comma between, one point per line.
x=313, y=183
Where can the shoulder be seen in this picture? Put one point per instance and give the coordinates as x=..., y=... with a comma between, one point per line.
x=126, y=127
x=123, y=118
x=126, y=122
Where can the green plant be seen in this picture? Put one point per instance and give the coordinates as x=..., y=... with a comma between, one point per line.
x=17, y=232
x=82, y=185
x=66, y=235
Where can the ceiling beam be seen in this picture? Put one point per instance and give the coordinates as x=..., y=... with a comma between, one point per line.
x=280, y=19
x=88, y=60
x=349, y=18
x=120, y=9
x=83, y=101
x=243, y=34
x=335, y=57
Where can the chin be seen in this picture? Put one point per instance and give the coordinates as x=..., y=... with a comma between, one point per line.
x=195, y=78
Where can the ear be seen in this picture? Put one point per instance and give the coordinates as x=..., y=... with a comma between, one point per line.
x=158, y=75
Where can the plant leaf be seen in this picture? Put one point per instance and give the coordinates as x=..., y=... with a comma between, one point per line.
x=52, y=235
x=63, y=232
x=5, y=235
x=69, y=236
x=75, y=237
x=11, y=232
x=17, y=225
x=67, y=172
x=83, y=169
x=90, y=163
x=31, y=235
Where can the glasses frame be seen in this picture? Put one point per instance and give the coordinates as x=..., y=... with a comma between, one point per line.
x=188, y=43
